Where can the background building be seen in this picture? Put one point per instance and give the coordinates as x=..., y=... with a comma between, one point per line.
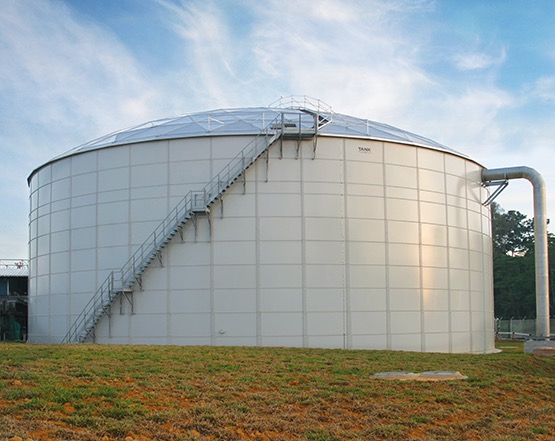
x=289, y=225
x=13, y=299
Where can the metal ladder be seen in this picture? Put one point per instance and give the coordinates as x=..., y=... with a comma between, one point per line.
x=120, y=283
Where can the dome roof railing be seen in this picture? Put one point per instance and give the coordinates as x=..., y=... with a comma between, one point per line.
x=302, y=102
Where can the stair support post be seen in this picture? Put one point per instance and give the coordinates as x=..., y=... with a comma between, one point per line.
x=267, y=163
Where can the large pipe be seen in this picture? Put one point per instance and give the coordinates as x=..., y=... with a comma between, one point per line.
x=540, y=236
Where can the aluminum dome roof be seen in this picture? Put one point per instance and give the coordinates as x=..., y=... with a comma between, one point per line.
x=251, y=121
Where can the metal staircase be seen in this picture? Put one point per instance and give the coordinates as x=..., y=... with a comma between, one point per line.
x=121, y=282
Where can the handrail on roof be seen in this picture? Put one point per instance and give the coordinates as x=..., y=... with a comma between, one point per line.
x=14, y=263
x=302, y=102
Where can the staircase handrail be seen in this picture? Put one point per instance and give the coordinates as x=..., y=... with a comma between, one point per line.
x=125, y=278
x=197, y=201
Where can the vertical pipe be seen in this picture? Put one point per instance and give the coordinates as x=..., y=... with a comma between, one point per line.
x=540, y=236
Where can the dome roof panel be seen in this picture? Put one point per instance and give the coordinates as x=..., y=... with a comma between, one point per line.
x=252, y=121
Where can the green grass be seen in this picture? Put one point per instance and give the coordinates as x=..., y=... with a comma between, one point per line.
x=93, y=392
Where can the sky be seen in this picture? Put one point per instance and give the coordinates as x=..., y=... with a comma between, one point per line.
x=477, y=76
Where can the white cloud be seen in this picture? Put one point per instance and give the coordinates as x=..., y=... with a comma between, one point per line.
x=469, y=116
x=544, y=89
x=70, y=73
x=216, y=63
x=360, y=62
x=478, y=60
x=62, y=82
x=357, y=56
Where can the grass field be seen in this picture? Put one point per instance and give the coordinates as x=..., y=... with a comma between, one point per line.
x=92, y=392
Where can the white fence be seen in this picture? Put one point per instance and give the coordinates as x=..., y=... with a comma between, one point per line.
x=518, y=328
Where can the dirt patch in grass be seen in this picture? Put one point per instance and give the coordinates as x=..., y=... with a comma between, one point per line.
x=91, y=392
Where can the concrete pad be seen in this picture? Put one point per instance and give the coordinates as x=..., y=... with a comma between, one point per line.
x=396, y=375
x=531, y=345
x=441, y=376
x=424, y=376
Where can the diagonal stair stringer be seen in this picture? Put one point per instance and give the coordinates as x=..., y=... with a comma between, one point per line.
x=121, y=281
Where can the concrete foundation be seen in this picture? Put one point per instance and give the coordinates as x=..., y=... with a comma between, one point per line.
x=530, y=346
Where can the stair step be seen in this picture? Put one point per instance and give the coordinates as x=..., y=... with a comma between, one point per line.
x=93, y=315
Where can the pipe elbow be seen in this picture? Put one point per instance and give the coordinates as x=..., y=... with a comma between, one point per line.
x=523, y=172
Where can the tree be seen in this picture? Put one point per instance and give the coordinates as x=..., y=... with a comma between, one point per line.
x=513, y=264
x=513, y=234
x=514, y=286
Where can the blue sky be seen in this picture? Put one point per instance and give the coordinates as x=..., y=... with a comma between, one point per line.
x=475, y=75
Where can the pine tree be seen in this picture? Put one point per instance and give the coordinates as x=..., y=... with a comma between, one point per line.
x=514, y=264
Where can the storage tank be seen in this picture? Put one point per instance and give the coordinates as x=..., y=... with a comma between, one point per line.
x=288, y=225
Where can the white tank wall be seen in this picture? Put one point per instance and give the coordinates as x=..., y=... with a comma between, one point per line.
x=372, y=245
